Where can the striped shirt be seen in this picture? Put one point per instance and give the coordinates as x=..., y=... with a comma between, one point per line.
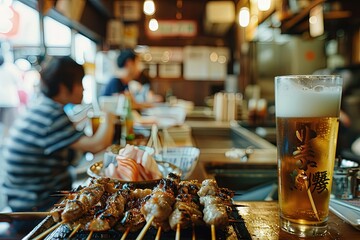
x=37, y=155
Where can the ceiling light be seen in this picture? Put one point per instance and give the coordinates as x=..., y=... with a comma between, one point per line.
x=153, y=25
x=149, y=7
x=244, y=17
x=316, y=21
x=264, y=5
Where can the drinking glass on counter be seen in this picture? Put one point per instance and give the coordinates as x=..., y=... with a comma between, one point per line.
x=307, y=121
x=95, y=119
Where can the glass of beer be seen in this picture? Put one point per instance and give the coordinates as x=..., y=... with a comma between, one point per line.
x=307, y=121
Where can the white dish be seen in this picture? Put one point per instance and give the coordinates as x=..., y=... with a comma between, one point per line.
x=348, y=212
x=97, y=170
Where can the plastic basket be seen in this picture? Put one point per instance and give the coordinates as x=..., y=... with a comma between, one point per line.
x=185, y=158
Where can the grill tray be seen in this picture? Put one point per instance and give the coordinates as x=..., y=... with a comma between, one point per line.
x=236, y=230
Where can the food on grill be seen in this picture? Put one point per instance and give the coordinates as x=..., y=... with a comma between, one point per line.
x=171, y=204
x=215, y=201
x=159, y=205
x=187, y=210
x=84, y=200
x=113, y=211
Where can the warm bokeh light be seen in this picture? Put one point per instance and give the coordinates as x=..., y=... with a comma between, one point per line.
x=149, y=7
x=264, y=5
x=153, y=25
x=244, y=17
x=214, y=57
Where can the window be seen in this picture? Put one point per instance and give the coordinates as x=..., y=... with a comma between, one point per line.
x=57, y=37
x=28, y=33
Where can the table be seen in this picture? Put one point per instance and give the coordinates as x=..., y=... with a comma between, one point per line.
x=262, y=222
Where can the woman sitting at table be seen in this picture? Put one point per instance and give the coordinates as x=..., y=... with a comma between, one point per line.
x=40, y=149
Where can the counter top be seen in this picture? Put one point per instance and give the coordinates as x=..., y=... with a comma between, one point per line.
x=261, y=218
x=262, y=222
x=215, y=138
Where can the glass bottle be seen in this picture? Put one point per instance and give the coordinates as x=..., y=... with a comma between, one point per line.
x=129, y=122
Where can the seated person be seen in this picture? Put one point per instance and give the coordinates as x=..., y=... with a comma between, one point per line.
x=40, y=149
x=140, y=89
x=129, y=68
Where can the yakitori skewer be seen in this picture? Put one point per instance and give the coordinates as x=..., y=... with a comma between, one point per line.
x=186, y=211
x=48, y=231
x=193, y=235
x=75, y=230
x=158, y=206
x=113, y=211
x=178, y=228
x=213, y=232
x=215, y=201
x=146, y=227
x=90, y=235
x=9, y=217
x=170, y=205
x=123, y=237
x=158, y=234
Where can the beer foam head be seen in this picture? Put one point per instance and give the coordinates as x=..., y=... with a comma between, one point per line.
x=296, y=100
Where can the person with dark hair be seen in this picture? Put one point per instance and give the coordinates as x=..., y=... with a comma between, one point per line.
x=40, y=150
x=129, y=69
x=141, y=90
x=128, y=63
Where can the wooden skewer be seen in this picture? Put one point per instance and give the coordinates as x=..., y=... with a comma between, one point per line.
x=146, y=227
x=8, y=217
x=125, y=233
x=58, y=195
x=75, y=230
x=44, y=234
x=158, y=233
x=90, y=235
x=177, y=236
x=213, y=233
x=66, y=192
x=193, y=237
x=59, y=205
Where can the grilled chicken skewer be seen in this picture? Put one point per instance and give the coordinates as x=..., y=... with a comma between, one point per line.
x=113, y=211
x=159, y=204
x=81, y=202
x=186, y=211
x=133, y=218
x=215, y=201
x=170, y=204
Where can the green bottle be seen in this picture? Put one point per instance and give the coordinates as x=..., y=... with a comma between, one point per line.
x=129, y=122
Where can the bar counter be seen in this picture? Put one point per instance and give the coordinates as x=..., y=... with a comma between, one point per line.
x=261, y=217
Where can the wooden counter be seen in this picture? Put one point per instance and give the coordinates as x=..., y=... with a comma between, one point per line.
x=262, y=222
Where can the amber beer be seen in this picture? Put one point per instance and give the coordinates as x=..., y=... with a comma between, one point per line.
x=307, y=118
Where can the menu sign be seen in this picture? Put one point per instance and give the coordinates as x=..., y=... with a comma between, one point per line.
x=174, y=28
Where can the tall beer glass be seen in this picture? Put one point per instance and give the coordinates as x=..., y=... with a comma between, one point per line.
x=307, y=121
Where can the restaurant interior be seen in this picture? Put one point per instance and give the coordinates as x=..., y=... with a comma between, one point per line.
x=212, y=63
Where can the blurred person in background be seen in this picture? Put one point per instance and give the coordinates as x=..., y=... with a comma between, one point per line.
x=140, y=88
x=129, y=69
x=9, y=97
x=40, y=150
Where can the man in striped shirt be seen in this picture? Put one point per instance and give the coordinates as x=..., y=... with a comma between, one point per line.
x=38, y=153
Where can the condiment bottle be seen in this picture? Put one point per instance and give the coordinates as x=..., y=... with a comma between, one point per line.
x=129, y=122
